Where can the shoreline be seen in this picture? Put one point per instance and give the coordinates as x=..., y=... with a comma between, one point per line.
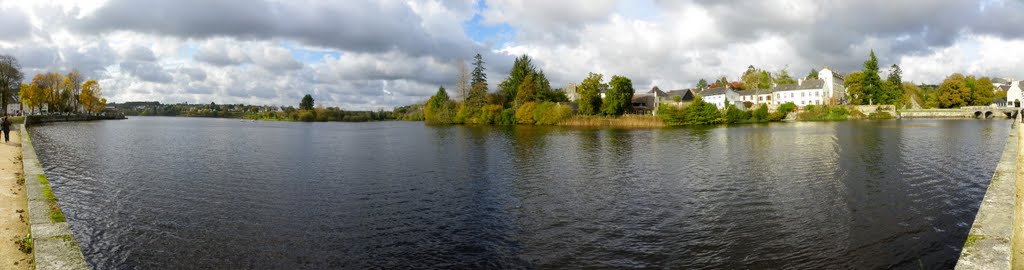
x=994, y=240
x=55, y=246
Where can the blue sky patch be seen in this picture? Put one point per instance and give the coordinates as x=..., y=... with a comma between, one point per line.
x=499, y=35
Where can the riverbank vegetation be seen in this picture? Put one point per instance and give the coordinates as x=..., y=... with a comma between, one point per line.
x=823, y=113
x=624, y=121
x=266, y=113
x=700, y=112
x=525, y=98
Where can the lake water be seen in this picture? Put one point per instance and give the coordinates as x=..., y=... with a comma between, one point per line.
x=151, y=192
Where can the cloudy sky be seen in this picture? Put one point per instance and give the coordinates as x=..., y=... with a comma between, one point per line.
x=370, y=54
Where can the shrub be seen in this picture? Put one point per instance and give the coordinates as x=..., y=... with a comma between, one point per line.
x=787, y=107
x=550, y=113
x=489, y=114
x=307, y=116
x=880, y=115
x=524, y=115
x=761, y=113
x=672, y=115
x=824, y=113
x=508, y=116
x=735, y=115
x=702, y=113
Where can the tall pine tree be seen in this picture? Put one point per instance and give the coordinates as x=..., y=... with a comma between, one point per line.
x=872, y=83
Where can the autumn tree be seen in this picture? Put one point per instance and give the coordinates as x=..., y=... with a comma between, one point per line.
x=526, y=92
x=73, y=88
x=439, y=108
x=619, y=97
x=983, y=92
x=10, y=80
x=953, y=92
x=91, y=97
x=590, y=94
x=306, y=103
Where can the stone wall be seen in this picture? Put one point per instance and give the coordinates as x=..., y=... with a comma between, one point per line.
x=996, y=225
x=55, y=246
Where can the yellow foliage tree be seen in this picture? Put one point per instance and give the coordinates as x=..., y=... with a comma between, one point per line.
x=90, y=97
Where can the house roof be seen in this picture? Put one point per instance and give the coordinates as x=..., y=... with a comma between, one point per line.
x=679, y=92
x=999, y=100
x=805, y=85
x=1005, y=87
x=715, y=91
x=657, y=91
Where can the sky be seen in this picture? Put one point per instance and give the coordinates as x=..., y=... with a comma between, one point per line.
x=378, y=54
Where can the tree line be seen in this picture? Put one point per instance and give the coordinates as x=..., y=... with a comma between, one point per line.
x=61, y=93
x=866, y=86
x=524, y=97
x=58, y=93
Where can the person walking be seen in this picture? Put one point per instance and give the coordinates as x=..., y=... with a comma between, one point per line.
x=5, y=125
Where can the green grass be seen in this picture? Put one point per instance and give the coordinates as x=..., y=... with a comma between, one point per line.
x=48, y=193
x=55, y=214
x=25, y=244
x=972, y=239
x=51, y=200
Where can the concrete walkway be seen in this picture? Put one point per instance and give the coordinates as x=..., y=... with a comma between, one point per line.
x=995, y=237
x=13, y=207
x=55, y=246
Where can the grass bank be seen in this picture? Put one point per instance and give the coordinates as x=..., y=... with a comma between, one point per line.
x=625, y=121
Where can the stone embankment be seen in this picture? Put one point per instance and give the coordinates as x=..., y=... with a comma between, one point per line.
x=55, y=246
x=995, y=240
x=36, y=119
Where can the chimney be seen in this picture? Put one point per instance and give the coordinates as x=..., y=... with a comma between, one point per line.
x=799, y=81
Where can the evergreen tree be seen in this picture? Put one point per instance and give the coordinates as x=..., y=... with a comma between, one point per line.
x=478, y=70
x=872, y=83
x=702, y=84
x=812, y=75
x=305, y=104
x=722, y=82
x=893, y=87
x=521, y=68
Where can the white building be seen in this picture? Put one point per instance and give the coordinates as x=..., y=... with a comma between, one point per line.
x=757, y=96
x=1014, y=96
x=828, y=89
x=719, y=96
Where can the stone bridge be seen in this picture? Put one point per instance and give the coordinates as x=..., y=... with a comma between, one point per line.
x=984, y=112
x=978, y=112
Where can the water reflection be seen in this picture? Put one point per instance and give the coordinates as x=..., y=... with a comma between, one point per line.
x=207, y=193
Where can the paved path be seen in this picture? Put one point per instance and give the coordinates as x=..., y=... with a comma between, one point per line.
x=13, y=206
